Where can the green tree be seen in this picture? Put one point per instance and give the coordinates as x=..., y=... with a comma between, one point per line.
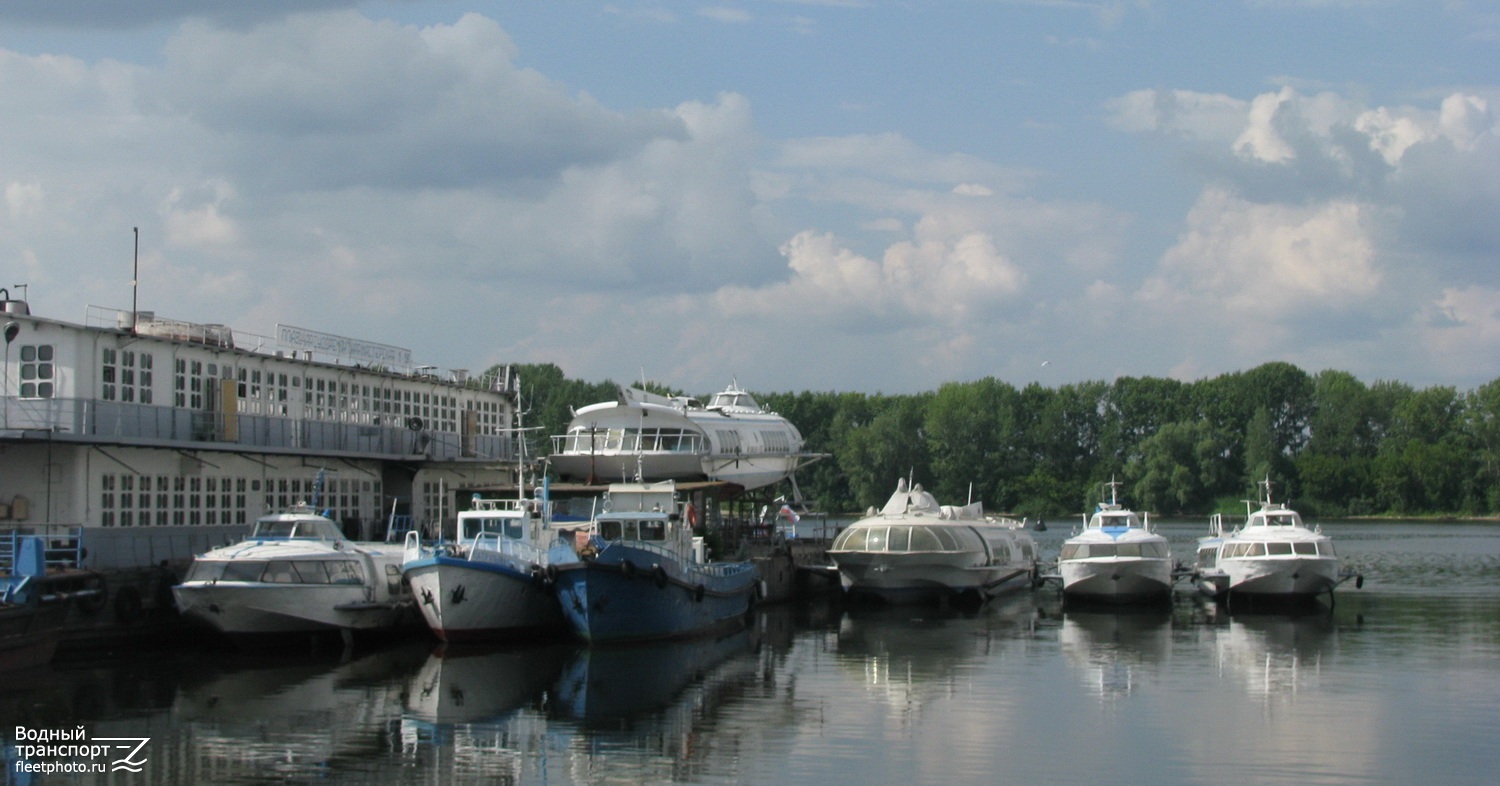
x=1179, y=468
x=889, y=447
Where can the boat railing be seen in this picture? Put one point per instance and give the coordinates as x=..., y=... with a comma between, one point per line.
x=78, y=418
x=62, y=546
x=500, y=504
x=497, y=543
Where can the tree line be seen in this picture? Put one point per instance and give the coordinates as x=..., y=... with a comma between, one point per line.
x=1332, y=445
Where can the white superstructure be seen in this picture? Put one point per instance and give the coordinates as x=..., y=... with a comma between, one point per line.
x=648, y=437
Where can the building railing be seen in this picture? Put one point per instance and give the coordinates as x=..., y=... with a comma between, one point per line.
x=108, y=420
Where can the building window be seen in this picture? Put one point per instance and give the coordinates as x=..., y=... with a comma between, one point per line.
x=36, y=371
x=107, y=373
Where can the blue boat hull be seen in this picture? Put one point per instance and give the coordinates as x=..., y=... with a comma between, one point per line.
x=630, y=594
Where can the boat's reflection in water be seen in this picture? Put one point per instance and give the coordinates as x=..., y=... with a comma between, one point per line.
x=1117, y=649
x=907, y=654
x=626, y=711
x=478, y=712
x=265, y=716
x=1276, y=654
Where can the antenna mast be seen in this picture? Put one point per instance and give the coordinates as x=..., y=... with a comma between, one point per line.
x=135, y=281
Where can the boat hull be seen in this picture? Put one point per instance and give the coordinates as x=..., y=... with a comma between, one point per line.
x=923, y=576
x=632, y=594
x=1272, y=577
x=614, y=465
x=1116, y=580
x=465, y=600
x=254, y=608
x=29, y=634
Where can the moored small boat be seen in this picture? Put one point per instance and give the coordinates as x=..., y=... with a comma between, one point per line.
x=914, y=549
x=644, y=575
x=1273, y=556
x=296, y=573
x=492, y=583
x=33, y=606
x=1116, y=558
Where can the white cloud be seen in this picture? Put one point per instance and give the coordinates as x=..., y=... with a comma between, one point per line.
x=1468, y=327
x=1269, y=261
x=725, y=14
x=948, y=282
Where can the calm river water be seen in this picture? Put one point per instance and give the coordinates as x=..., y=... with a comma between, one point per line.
x=1398, y=683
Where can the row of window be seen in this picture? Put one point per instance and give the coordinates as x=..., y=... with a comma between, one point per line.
x=1155, y=549
x=306, y=571
x=1306, y=548
x=583, y=439
x=128, y=376
x=129, y=500
x=902, y=538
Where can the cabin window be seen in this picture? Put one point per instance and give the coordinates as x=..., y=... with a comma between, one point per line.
x=345, y=572
x=244, y=570
x=312, y=571
x=729, y=441
x=922, y=539
x=1158, y=550
x=1208, y=557
x=900, y=539
x=1279, y=549
x=37, y=371
x=852, y=539
x=877, y=539
x=1128, y=549
x=1305, y=547
x=1069, y=551
x=205, y=571
x=1027, y=554
x=280, y=572
x=653, y=529
x=1325, y=548
x=947, y=538
x=1256, y=550
x=611, y=530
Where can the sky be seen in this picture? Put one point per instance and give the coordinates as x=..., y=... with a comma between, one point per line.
x=826, y=195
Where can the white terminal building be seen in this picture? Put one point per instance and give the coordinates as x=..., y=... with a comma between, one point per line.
x=141, y=441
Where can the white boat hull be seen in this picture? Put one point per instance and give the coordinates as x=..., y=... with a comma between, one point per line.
x=1116, y=579
x=251, y=608
x=463, y=600
x=614, y=466
x=1275, y=576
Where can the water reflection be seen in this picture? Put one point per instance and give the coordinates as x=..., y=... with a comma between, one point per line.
x=468, y=685
x=1276, y=654
x=905, y=655
x=1115, y=648
x=254, y=716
